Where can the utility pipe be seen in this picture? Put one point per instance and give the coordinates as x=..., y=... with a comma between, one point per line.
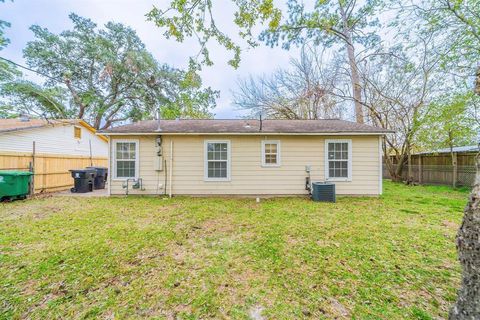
x=171, y=169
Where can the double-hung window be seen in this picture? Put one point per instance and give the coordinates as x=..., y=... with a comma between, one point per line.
x=217, y=160
x=126, y=159
x=270, y=153
x=338, y=160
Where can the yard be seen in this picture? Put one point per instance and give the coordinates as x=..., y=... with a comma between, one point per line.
x=363, y=258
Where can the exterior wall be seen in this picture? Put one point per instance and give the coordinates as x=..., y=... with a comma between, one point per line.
x=58, y=139
x=248, y=177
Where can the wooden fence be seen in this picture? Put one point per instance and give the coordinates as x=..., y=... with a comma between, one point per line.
x=440, y=169
x=50, y=170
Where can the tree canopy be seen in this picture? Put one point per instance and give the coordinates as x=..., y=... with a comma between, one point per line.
x=333, y=22
x=105, y=76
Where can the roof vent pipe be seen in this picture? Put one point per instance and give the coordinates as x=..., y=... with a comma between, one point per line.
x=260, y=122
x=158, y=120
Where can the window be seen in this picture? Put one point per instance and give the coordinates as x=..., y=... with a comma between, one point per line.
x=338, y=160
x=217, y=160
x=126, y=159
x=77, y=132
x=270, y=153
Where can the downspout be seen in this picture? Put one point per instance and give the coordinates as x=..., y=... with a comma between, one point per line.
x=171, y=169
x=109, y=175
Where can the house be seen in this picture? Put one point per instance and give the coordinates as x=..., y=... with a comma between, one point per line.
x=52, y=147
x=244, y=157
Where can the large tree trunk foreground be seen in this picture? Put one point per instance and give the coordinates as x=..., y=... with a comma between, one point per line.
x=467, y=305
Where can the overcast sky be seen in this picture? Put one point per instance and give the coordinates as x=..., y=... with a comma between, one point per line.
x=53, y=14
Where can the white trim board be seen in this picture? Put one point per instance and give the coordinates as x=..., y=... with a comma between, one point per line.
x=259, y=133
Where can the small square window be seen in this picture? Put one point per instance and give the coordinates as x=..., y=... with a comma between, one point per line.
x=270, y=153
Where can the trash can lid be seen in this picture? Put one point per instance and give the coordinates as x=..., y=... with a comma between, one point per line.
x=14, y=173
x=82, y=170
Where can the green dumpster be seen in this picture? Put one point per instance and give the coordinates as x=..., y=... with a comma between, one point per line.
x=14, y=184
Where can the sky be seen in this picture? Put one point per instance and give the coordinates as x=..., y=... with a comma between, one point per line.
x=53, y=14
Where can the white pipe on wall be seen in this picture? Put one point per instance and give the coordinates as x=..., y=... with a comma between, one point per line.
x=171, y=169
x=109, y=167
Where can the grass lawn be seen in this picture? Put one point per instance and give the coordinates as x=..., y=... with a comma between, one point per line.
x=365, y=258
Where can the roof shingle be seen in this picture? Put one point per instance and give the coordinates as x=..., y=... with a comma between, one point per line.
x=7, y=125
x=244, y=126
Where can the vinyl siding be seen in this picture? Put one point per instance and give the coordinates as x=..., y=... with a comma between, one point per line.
x=58, y=139
x=248, y=177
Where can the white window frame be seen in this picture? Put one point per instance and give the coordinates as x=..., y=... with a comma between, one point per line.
x=269, y=165
x=114, y=157
x=349, y=163
x=205, y=160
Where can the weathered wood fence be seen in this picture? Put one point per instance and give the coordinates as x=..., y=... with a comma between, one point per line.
x=50, y=170
x=440, y=169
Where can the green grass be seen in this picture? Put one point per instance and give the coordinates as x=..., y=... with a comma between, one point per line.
x=364, y=258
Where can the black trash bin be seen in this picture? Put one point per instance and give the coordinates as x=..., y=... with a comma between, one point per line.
x=323, y=191
x=100, y=178
x=83, y=180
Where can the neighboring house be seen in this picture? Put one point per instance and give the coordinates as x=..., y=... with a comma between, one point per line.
x=60, y=145
x=244, y=157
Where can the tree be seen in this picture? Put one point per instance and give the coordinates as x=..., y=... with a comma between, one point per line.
x=110, y=77
x=448, y=124
x=459, y=23
x=398, y=90
x=303, y=91
x=344, y=23
x=3, y=24
x=7, y=70
x=25, y=97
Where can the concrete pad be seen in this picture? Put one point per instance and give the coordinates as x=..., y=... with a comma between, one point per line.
x=94, y=193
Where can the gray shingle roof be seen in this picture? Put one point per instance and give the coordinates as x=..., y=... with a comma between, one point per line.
x=244, y=126
x=462, y=149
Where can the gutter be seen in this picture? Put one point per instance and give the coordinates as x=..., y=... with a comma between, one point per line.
x=351, y=133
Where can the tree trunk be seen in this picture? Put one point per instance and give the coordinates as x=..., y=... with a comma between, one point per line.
x=355, y=76
x=467, y=305
x=409, y=168
x=454, y=169
x=420, y=169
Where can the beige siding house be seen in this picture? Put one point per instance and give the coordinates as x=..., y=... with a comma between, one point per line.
x=244, y=157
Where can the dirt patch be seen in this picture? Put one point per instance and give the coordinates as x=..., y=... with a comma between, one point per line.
x=338, y=309
x=255, y=312
x=450, y=225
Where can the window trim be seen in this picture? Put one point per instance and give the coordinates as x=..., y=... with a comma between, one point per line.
x=349, y=160
x=279, y=160
x=205, y=161
x=114, y=158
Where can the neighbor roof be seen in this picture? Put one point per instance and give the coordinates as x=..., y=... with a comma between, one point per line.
x=245, y=126
x=9, y=125
x=461, y=149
